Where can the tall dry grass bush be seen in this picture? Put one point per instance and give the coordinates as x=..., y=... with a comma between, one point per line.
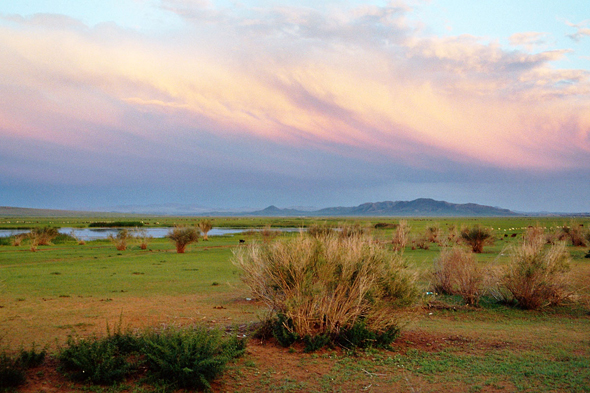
x=536, y=276
x=182, y=236
x=142, y=236
x=452, y=234
x=401, y=236
x=205, y=226
x=121, y=239
x=326, y=286
x=433, y=233
x=576, y=233
x=457, y=272
x=477, y=237
x=43, y=236
x=320, y=230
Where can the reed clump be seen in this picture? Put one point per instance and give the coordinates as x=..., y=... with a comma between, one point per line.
x=537, y=275
x=121, y=239
x=457, y=272
x=319, y=290
x=477, y=237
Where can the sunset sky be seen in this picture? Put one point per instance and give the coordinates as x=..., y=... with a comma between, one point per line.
x=229, y=104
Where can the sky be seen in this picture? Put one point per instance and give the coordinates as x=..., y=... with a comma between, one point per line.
x=233, y=104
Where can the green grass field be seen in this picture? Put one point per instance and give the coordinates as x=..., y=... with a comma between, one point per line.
x=70, y=289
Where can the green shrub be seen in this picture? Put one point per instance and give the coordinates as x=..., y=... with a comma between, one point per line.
x=13, y=368
x=477, y=237
x=12, y=374
x=115, y=224
x=31, y=358
x=359, y=336
x=189, y=358
x=324, y=286
x=98, y=360
x=283, y=330
x=6, y=241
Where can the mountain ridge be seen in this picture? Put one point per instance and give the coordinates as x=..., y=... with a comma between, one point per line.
x=421, y=207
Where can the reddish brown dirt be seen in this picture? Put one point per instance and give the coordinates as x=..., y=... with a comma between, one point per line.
x=267, y=366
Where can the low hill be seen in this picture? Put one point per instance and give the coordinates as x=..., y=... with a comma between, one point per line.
x=422, y=207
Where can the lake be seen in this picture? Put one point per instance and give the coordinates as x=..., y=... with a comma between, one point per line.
x=88, y=234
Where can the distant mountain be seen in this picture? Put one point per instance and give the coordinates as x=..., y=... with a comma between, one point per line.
x=8, y=211
x=420, y=207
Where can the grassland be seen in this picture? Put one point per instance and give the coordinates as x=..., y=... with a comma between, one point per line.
x=68, y=289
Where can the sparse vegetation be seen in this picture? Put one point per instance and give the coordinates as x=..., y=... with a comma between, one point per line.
x=182, y=237
x=72, y=290
x=142, y=236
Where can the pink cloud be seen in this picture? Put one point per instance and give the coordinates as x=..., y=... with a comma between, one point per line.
x=357, y=83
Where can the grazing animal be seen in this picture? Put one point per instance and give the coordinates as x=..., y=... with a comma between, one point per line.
x=242, y=241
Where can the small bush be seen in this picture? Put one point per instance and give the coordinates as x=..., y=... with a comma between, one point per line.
x=13, y=368
x=115, y=224
x=189, y=358
x=12, y=374
x=43, y=236
x=120, y=241
x=324, y=286
x=205, y=226
x=182, y=237
x=318, y=231
x=477, y=237
x=401, y=236
x=456, y=272
x=576, y=234
x=142, y=236
x=18, y=239
x=32, y=358
x=97, y=360
x=536, y=276
x=433, y=233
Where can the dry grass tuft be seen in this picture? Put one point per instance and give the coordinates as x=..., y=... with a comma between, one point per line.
x=183, y=236
x=477, y=237
x=536, y=276
x=401, y=236
x=205, y=226
x=120, y=241
x=456, y=272
x=328, y=284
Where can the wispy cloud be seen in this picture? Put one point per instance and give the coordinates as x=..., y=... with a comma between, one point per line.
x=359, y=83
x=582, y=30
